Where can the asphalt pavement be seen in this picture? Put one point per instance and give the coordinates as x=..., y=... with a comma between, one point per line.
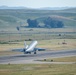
x=31, y=58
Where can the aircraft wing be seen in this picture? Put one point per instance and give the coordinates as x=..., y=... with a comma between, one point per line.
x=22, y=49
x=18, y=49
x=40, y=49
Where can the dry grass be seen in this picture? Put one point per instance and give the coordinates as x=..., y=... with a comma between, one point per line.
x=57, y=44
x=54, y=44
x=39, y=69
x=64, y=59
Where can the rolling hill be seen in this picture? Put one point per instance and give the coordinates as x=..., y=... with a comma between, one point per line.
x=15, y=17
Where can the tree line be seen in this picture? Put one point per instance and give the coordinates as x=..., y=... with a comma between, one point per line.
x=48, y=23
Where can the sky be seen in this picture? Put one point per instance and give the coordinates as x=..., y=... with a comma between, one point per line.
x=39, y=3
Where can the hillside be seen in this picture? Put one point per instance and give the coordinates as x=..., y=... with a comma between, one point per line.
x=15, y=17
x=70, y=9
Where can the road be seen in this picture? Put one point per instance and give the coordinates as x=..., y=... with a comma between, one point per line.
x=31, y=58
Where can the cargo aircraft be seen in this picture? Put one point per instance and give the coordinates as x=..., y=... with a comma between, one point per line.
x=29, y=48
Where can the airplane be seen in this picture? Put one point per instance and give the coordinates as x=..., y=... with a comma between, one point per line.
x=29, y=48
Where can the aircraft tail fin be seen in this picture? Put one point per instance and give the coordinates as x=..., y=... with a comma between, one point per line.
x=26, y=46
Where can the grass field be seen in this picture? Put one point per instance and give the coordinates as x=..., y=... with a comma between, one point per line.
x=63, y=59
x=38, y=34
x=54, y=44
x=48, y=69
x=40, y=69
x=47, y=38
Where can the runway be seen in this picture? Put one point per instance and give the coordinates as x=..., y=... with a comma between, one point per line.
x=31, y=58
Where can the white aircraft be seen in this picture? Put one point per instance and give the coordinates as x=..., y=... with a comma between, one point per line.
x=30, y=48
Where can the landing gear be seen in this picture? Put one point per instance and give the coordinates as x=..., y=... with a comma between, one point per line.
x=29, y=52
x=35, y=52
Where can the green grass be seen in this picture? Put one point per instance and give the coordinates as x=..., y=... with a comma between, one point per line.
x=38, y=69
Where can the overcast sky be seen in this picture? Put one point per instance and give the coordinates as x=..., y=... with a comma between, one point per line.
x=39, y=3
